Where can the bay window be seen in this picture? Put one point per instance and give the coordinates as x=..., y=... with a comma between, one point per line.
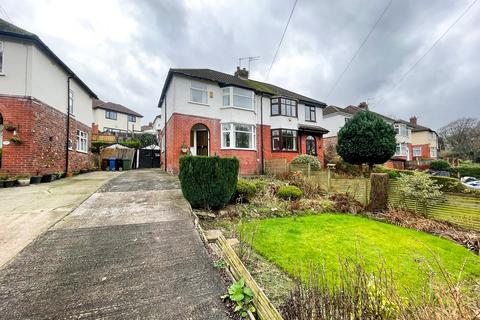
x=283, y=107
x=238, y=136
x=284, y=140
x=402, y=130
x=198, y=92
x=238, y=97
x=402, y=150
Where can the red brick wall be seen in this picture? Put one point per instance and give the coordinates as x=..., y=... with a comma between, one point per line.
x=179, y=128
x=425, y=150
x=42, y=131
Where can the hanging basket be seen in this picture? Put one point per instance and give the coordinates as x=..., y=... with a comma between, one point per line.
x=9, y=127
x=15, y=140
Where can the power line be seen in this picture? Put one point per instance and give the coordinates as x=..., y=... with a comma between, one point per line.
x=358, y=50
x=6, y=14
x=434, y=44
x=281, y=40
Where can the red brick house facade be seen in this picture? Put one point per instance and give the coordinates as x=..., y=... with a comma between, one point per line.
x=209, y=126
x=42, y=131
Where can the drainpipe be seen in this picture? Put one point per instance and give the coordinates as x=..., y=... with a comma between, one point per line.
x=68, y=124
x=262, y=170
x=165, y=133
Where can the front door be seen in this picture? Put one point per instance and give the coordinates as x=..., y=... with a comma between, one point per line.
x=202, y=142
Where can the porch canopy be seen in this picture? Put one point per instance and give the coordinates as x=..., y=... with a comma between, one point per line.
x=311, y=130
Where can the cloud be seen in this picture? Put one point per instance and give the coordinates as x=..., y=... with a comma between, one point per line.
x=123, y=49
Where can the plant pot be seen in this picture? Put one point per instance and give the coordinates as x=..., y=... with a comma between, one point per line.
x=35, y=180
x=24, y=182
x=184, y=150
x=9, y=183
x=47, y=178
x=9, y=127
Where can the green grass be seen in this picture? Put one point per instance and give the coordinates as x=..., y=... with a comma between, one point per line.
x=293, y=242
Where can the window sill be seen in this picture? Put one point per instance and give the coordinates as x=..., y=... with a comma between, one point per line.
x=281, y=115
x=80, y=151
x=2, y=74
x=289, y=151
x=239, y=108
x=199, y=103
x=313, y=121
x=239, y=149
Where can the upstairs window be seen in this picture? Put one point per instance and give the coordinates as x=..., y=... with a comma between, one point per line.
x=283, y=107
x=401, y=130
x=1, y=57
x=70, y=101
x=198, y=92
x=238, y=136
x=310, y=114
x=132, y=118
x=237, y=97
x=284, y=140
x=112, y=115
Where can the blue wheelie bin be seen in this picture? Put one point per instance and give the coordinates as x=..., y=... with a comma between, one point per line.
x=111, y=164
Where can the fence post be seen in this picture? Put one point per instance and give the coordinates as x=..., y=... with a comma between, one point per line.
x=308, y=169
x=287, y=169
x=366, y=190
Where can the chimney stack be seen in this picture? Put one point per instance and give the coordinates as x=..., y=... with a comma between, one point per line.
x=363, y=105
x=413, y=120
x=241, y=73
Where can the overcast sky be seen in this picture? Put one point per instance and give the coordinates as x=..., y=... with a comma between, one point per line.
x=123, y=49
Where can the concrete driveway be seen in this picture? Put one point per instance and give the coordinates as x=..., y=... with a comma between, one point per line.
x=27, y=212
x=130, y=251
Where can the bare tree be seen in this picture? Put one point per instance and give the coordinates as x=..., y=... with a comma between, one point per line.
x=461, y=137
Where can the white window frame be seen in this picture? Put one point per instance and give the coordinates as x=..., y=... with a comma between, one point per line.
x=200, y=87
x=229, y=128
x=131, y=118
x=71, y=95
x=2, y=60
x=417, y=151
x=230, y=93
x=82, y=141
x=109, y=112
x=400, y=128
x=434, y=153
x=404, y=152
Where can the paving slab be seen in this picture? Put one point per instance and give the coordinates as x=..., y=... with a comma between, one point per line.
x=129, y=252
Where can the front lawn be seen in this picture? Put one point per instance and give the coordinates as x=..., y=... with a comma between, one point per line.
x=292, y=242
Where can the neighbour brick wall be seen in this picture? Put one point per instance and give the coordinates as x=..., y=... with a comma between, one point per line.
x=42, y=131
x=179, y=128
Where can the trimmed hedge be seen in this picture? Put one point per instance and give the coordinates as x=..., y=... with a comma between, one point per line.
x=305, y=159
x=208, y=182
x=289, y=192
x=467, y=170
x=448, y=184
x=392, y=174
x=439, y=165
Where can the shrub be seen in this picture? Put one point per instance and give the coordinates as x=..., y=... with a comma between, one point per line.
x=439, y=165
x=132, y=143
x=208, y=182
x=245, y=188
x=306, y=159
x=419, y=188
x=467, y=170
x=392, y=174
x=448, y=184
x=289, y=192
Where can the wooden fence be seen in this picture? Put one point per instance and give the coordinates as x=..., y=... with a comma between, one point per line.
x=463, y=210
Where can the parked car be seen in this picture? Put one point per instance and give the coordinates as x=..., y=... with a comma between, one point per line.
x=471, y=182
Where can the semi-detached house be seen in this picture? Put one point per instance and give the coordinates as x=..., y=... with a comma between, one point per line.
x=213, y=113
x=45, y=109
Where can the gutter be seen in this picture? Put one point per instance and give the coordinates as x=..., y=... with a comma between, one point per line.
x=165, y=134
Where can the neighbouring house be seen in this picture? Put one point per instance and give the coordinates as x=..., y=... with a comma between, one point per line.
x=409, y=134
x=45, y=109
x=115, y=118
x=424, y=141
x=207, y=112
